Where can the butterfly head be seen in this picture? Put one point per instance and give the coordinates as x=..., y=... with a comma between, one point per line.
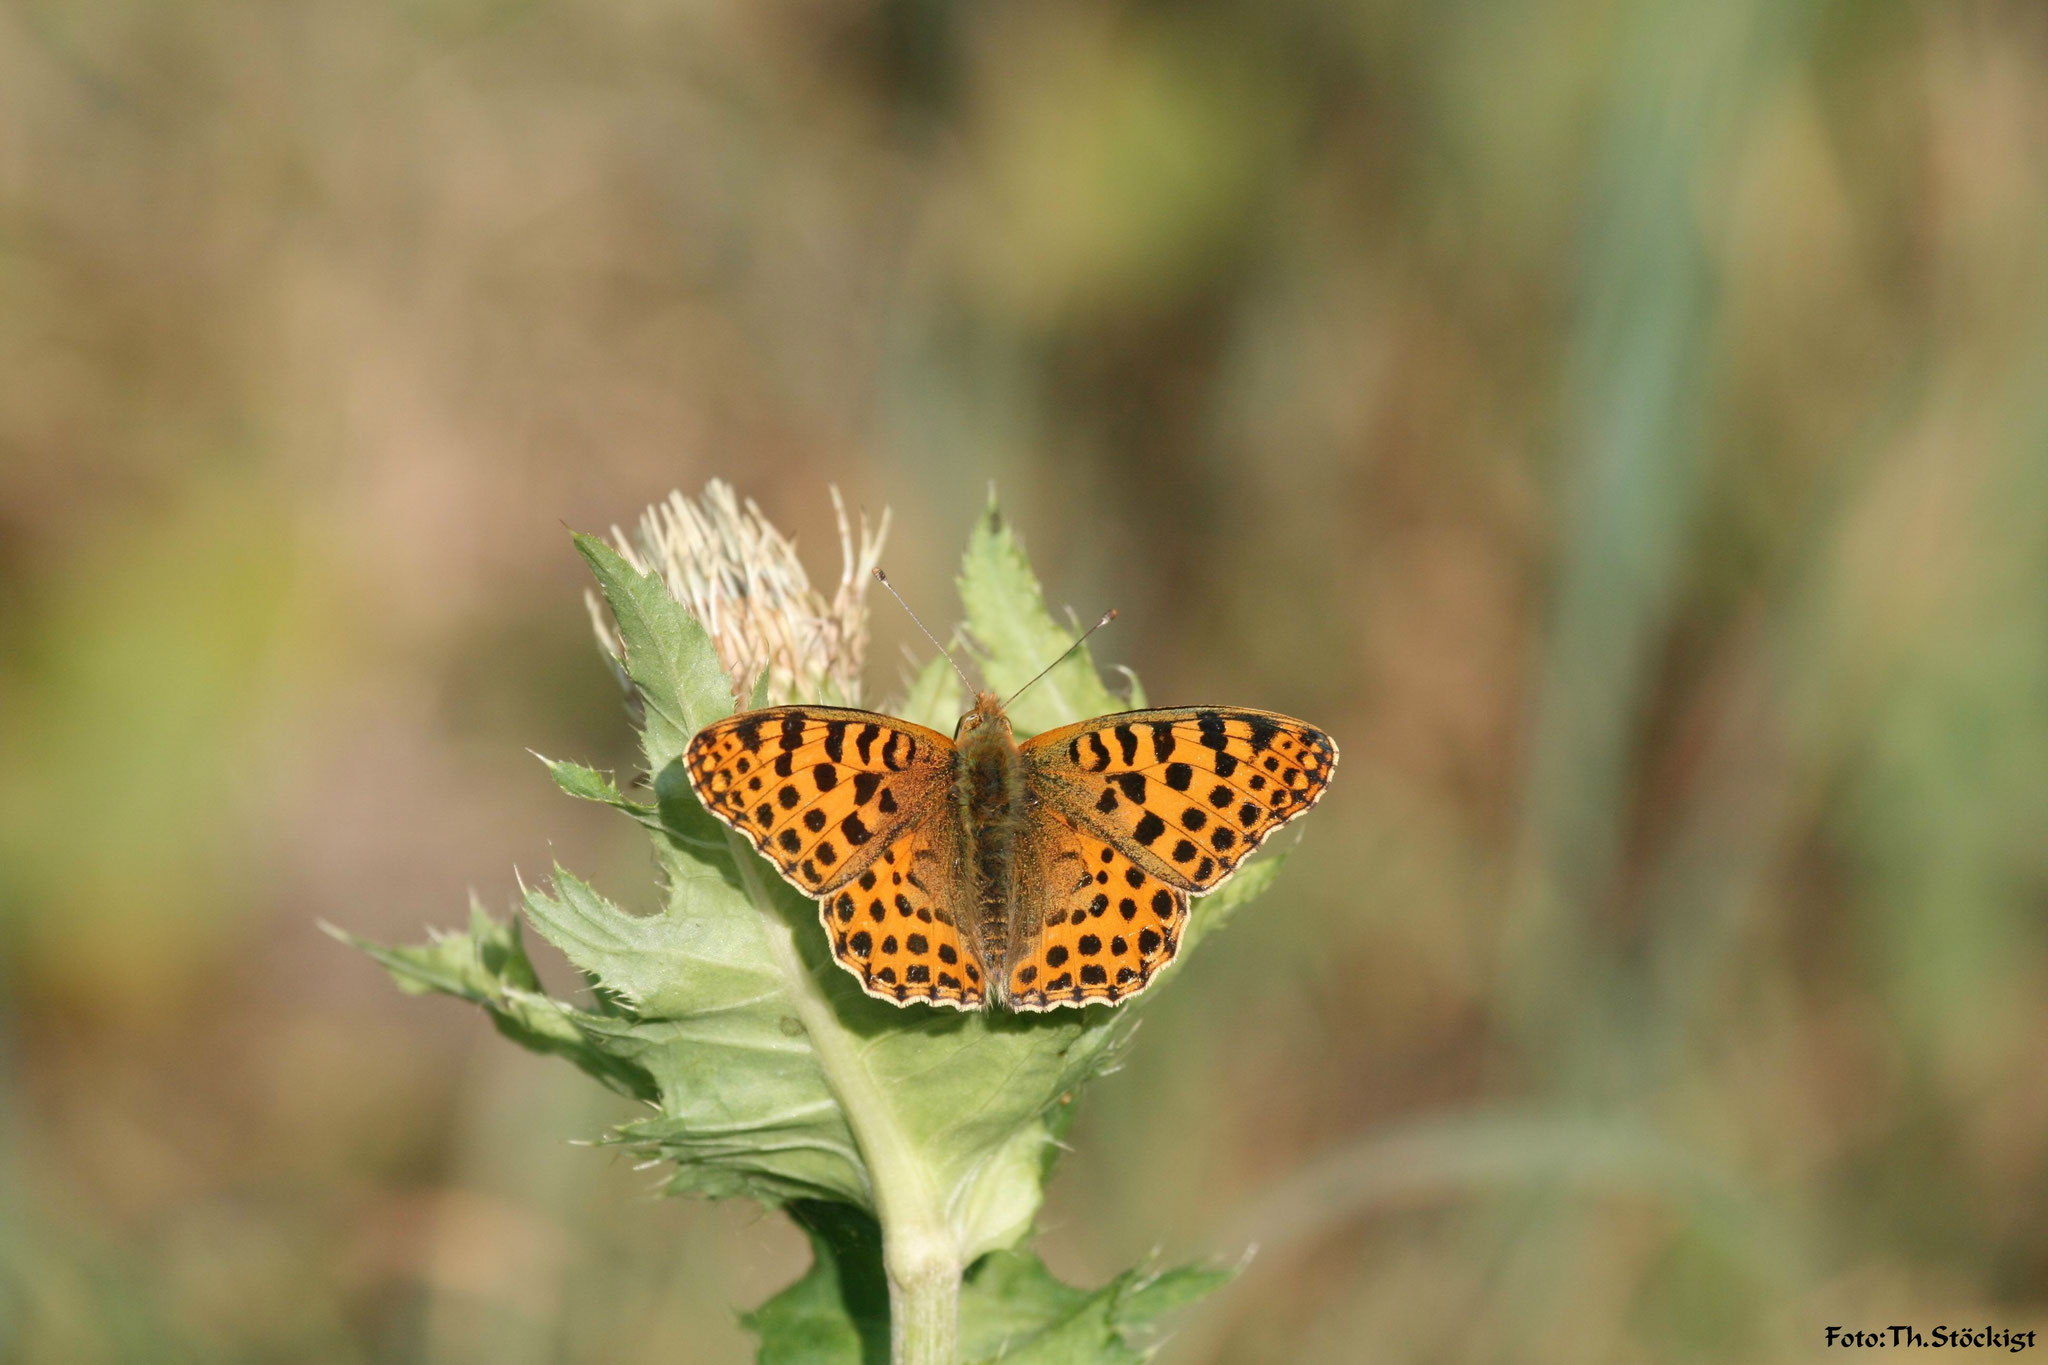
x=986, y=721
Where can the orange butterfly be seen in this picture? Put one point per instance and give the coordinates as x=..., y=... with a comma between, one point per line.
x=968, y=870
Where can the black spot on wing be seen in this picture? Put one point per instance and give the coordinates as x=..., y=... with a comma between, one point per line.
x=1127, y=740
x=1162, y=740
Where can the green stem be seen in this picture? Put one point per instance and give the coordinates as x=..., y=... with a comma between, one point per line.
x=920, y=1248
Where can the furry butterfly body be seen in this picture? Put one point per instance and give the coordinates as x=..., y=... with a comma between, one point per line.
x=976, y=871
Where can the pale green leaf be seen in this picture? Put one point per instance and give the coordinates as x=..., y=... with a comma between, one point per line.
x=1011, y=1308
x=488, y=966
x=674, y=669
x=1018, y=637
x=838, y=1313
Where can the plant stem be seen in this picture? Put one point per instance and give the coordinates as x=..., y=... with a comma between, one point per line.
x=920, y=1249
x=924, y=1301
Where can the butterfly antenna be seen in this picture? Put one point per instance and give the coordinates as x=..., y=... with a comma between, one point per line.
x=1107, y=617
x=927, y=633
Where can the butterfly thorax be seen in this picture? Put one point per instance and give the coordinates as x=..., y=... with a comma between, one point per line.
x=989, y=789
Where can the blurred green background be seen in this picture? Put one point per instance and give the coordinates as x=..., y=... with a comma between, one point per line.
x=1624, y=426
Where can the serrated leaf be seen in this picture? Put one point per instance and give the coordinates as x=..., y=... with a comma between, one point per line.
x=674, y=669
x=488, y=966
x=1017, y=637
x=1146, y=1300
x=1013, y=1310
x=589, y=784
x=742, y=1095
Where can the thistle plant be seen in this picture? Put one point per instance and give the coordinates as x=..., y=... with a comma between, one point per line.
x=911, y=1144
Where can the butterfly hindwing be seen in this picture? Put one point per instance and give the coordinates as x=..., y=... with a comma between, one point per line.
x=1186, y=792
x=1090, y=924
x=893, y=927
x=819, y=790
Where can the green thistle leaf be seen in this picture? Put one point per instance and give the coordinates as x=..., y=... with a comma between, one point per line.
x=1017, y=636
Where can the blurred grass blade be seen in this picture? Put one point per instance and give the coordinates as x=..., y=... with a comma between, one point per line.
x=1440, y=1159
x=1640, y=370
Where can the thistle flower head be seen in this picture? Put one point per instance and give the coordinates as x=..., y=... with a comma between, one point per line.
x=742, y=580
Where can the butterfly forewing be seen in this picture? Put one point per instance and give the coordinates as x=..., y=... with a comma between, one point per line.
x=1187, y=792
x=821, y=791
x=1089, y=924
x=892, y=927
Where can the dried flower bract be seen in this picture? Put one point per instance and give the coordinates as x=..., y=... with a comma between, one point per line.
x=741, y=578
